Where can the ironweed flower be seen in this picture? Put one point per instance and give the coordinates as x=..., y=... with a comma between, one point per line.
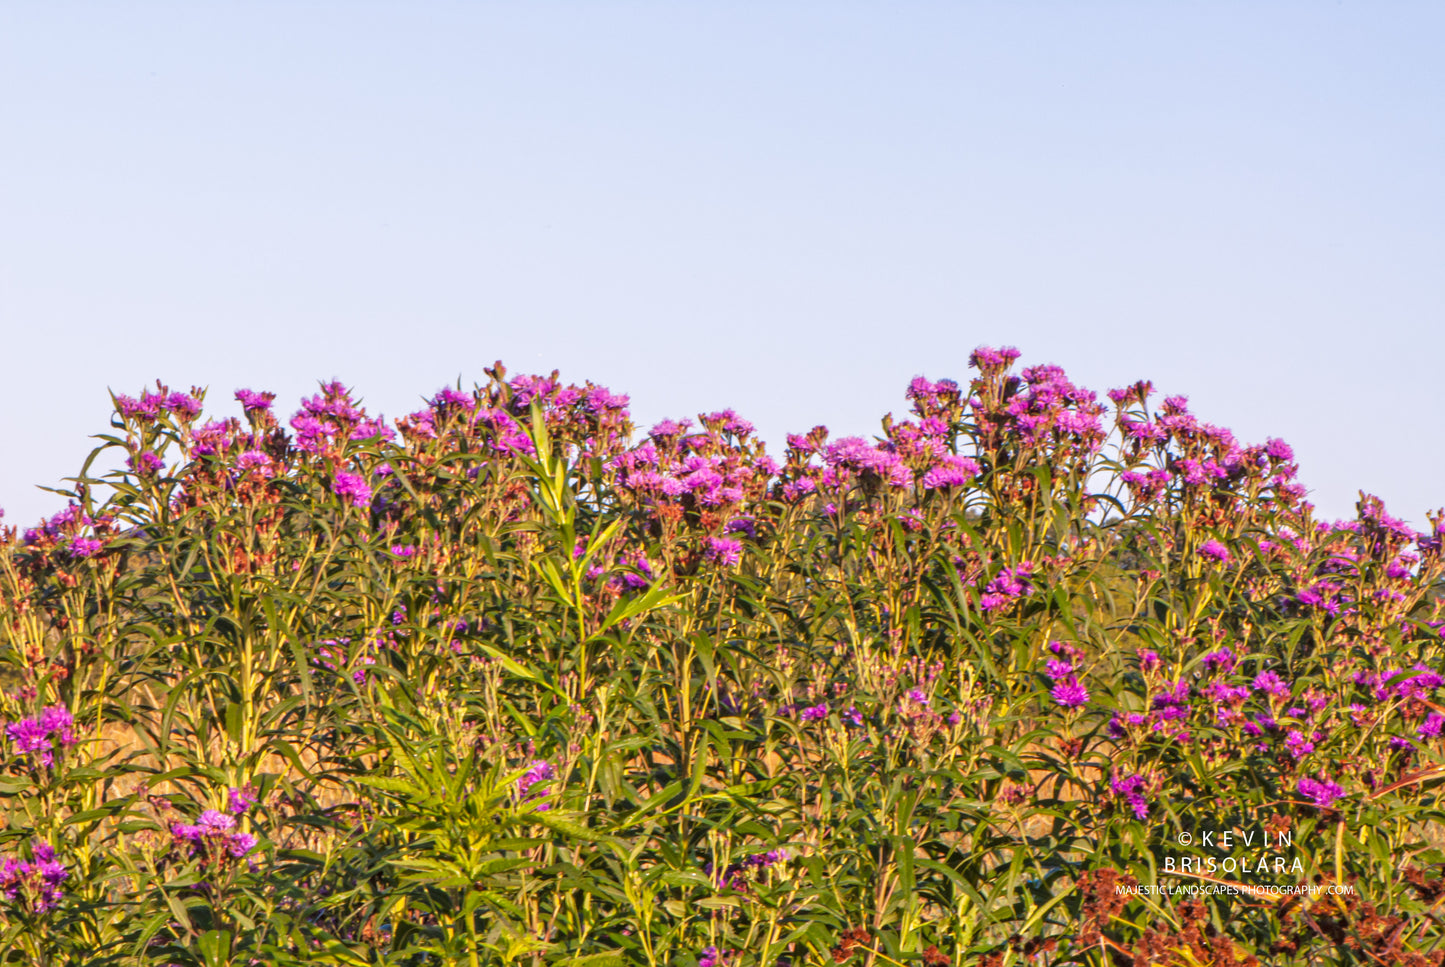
x=712, y=957
x=1271, y=684
x=533, y=782
x=347, y=484
x=815, y=713
x=723, y=550
x=1215, y=551
x=47, y=734
x=33, y=886
x=238, y=801
x=255, y=402
x=1131, y=788
x=1057, y=668
x=1322, y=792
x=1221, y=660
x=83, y=547
x=990, y=361
x=1070, y=694
x=211, y=839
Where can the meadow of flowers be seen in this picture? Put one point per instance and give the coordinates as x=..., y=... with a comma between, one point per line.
x=1034, y=677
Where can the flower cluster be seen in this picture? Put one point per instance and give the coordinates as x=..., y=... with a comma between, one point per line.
x=737, y=876
x=213, y=838
x=1131, y=790
x=43, y=736
x=1323, y=793
x=1067, y=691
x=33, y=886
x=533, y=783
x=1010, y=584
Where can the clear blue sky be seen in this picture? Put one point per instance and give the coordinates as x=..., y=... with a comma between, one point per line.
x=789, y=208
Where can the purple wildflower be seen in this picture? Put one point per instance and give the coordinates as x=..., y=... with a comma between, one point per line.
x=240, y=800
x=1271, y=684
x=1432, y=726
x=1214, y=550
x=215, y=821
x=1222, y=660
x=212, y=838
x=712, y=957
x=255, y=402
x=184, y=405
x=1297, y=745
x=723, y=550
x=1057, y=668
x=1070, y=694
x=988, y=360
x=83, y=547
x=255, y=460
x=952, y=471
x=351, y=485
x=538, y=772
x=1132, y=789
x=1323, y=794
x=239, y=844
x=53, y=728
x=33, y=886
x=145, y=463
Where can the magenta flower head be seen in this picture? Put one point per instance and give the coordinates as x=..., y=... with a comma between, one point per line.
x=1323, y=793
x=351, y=485
x=723, y=550
x=1070, y=694
x=239, y=844
x=712, y=957
x=49, y=732
x=990, y=361
x=538, y=772
x=83, y=547
x=1271, y=684
x=212, y=838
x=1214, y=550
x=255, y=402
x=33, y=886
x=1220, y=660
x=1131, y=788
x=1431, y=727
x=184, y=405
x=145, y=463
x=215, y=821
x=816, y=712
x=240, y=800
x=1279, y=451
x=952, y=471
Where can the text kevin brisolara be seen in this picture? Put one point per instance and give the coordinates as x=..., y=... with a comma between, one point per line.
x=1250, y=851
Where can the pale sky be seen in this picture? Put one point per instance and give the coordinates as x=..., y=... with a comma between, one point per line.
x=787, y=208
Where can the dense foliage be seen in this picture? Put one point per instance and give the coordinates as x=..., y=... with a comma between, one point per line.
x=1031, y=678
